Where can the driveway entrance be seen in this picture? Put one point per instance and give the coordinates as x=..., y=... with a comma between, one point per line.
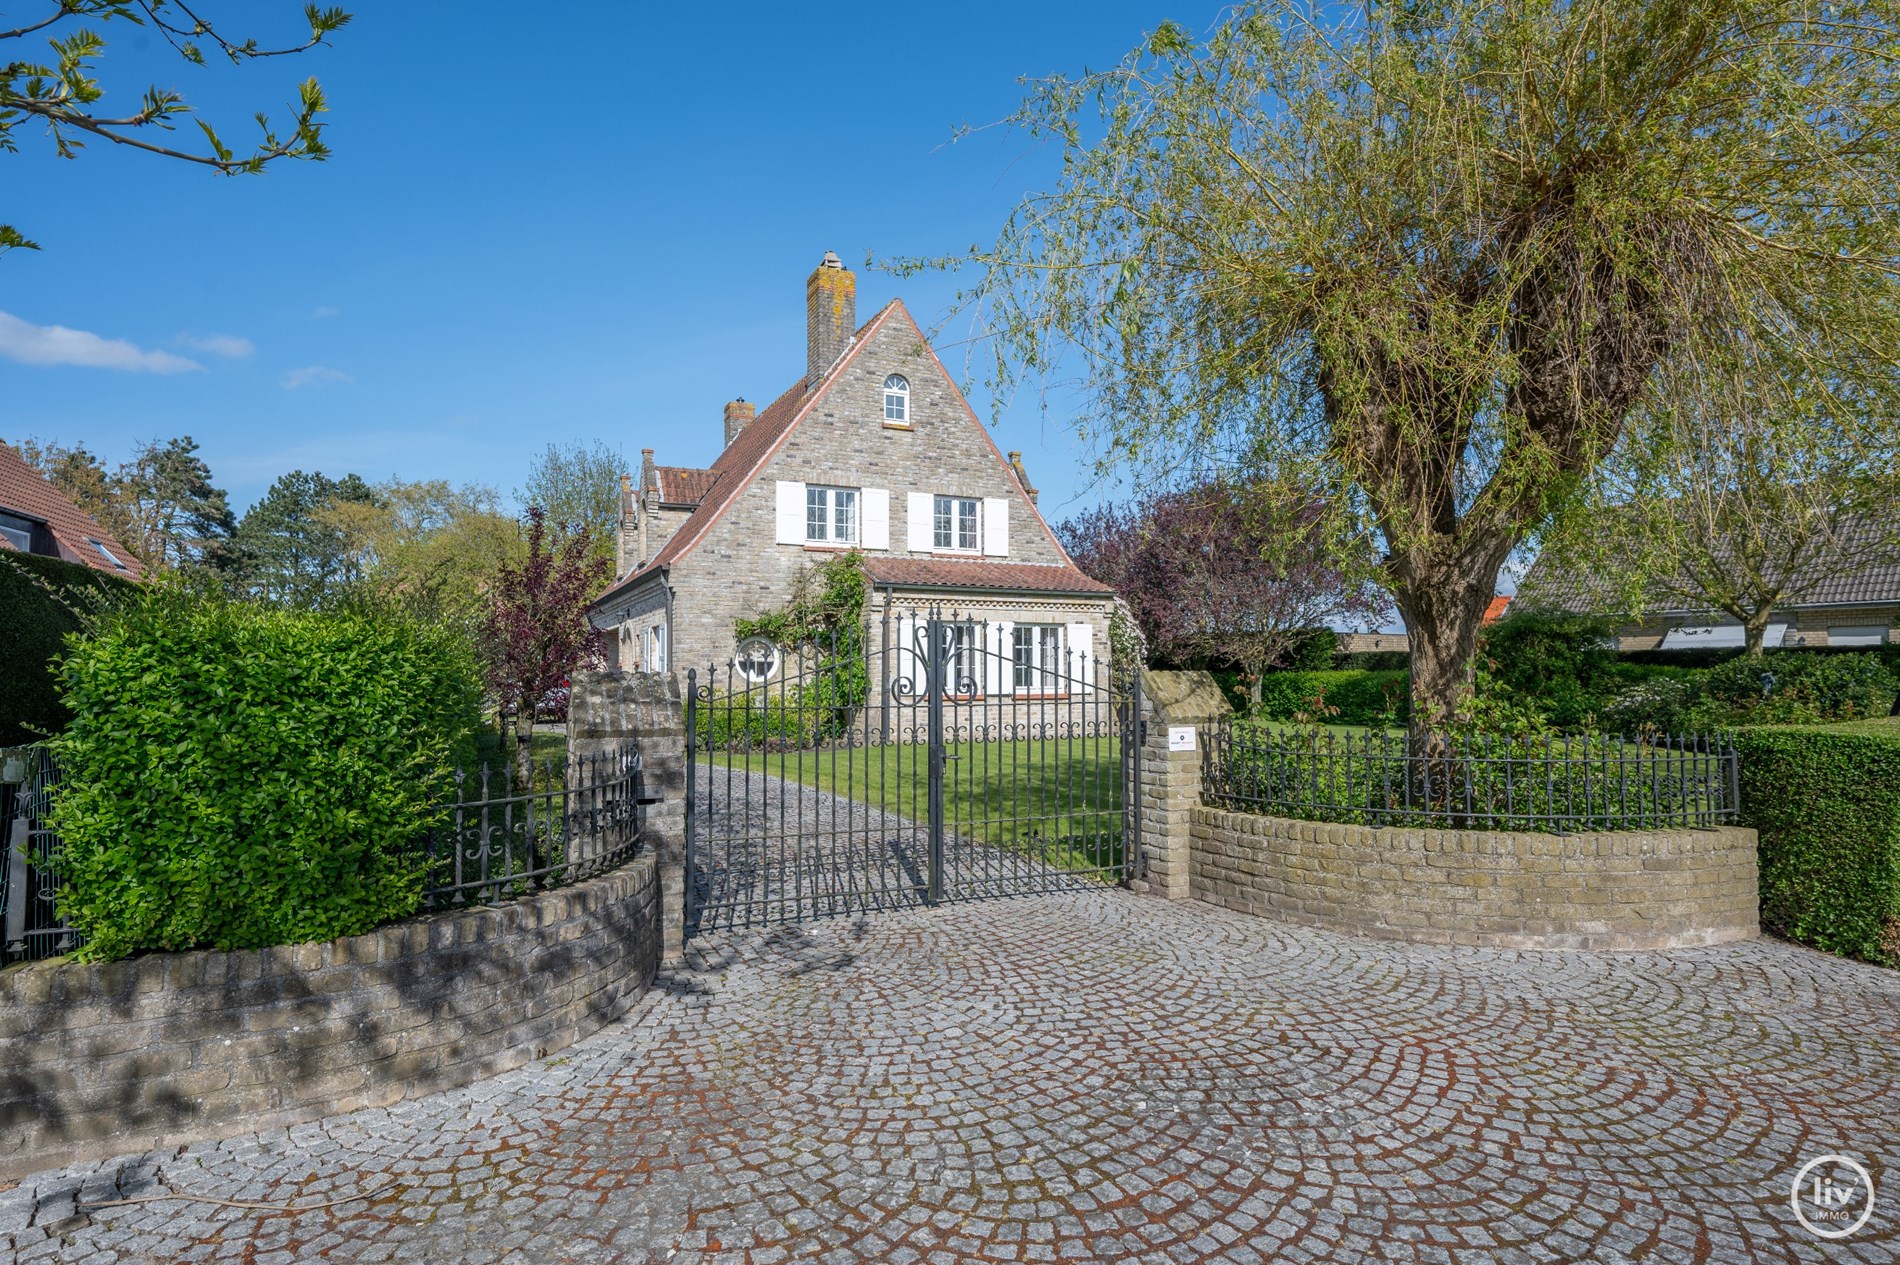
x=1091, y=1076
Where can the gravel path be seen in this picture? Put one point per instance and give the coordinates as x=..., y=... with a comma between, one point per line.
x=1089, y=1077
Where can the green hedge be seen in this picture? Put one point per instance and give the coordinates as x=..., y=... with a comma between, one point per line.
x=1827, y=806
x=238, y=776
x=40, y=596
x=1346, y=697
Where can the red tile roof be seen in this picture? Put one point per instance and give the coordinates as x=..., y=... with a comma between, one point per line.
x=1495, y=611
x=24, y=491
x=683, y=485
x=959, y=573
x=735, y=468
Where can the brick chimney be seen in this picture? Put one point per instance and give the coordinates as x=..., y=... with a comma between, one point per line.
x=831, y=315
x=738, y=413
x=1022, y=476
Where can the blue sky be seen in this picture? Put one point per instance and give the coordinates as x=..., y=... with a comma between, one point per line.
x=531, y=231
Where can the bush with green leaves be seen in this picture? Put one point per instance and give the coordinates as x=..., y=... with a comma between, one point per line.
x=237, y=776
x=1563, y=665
x=44, y=600
x=1782, y=687
x=1345, y=697
x=1827, y=806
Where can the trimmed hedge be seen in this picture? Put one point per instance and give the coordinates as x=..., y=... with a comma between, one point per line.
x=1827, y=806
x=1783, y=687
x=238, y=776
x=37, y=623
x=1347, y=697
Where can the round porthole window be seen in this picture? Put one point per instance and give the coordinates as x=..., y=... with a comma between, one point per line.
x=757, y=660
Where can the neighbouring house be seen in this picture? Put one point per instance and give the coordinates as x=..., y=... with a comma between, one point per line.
x=872, y=448
x=1854, y=608
x=36, y=517
x=1384, y=642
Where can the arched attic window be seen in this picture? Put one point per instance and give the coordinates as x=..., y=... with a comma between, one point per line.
x=896, y=400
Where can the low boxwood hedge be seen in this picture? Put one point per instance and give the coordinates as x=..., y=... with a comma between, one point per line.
x=1344, y=697
x=1826, y=802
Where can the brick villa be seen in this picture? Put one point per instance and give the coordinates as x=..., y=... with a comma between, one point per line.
x=872, y=448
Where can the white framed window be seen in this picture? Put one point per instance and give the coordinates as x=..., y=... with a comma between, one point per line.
x=1856, y=635
x=956, y=523
x=1037, y=655
x=831, y=515
x=960, y=667
x=757, y=660
x=897, y=400
x=656, y=648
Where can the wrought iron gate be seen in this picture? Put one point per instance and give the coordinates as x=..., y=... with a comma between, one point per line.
x=933, y=759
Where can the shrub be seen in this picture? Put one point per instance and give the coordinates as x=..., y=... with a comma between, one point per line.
x=1561, y=665
x=1374, y=699
x=44, y=599
x=1782, y=687
x=238, y=776
x=1827, y=805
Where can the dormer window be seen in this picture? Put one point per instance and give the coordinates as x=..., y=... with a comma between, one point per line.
x=896, y=400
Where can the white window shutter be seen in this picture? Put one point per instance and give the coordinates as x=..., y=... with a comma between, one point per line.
x=876, y=533
x=906, y=663
x=996, y=526
x=918, y=509
x=1001, y=658
x=1082, y=657
x=791, y=513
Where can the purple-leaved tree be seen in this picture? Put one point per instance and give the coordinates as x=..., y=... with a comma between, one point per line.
x=1223, y=570
x=536, y=625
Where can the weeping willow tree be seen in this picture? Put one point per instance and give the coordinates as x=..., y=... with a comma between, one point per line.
x=1434, y=257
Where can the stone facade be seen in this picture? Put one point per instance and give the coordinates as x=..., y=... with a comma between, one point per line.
x=100, y=1059
x=734, y=567
x=1628, y=890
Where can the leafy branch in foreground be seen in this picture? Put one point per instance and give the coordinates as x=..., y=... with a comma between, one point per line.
x=62, y=93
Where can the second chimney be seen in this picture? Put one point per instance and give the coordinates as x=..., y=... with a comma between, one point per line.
x=738, y=413
x=831, y=315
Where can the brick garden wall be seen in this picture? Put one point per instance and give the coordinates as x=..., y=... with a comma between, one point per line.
x=1630, y=890
x=101, y=1059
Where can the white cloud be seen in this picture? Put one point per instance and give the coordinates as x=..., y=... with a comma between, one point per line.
x=32, y=344
x=218, y=344
x=319, y=313
x=314, y=376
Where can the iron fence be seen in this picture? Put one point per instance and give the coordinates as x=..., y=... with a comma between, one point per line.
x=494, y=838
x=29, y=883
x=500, y=837
x=1471, y=782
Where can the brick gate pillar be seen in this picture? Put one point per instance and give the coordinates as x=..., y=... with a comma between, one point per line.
x=607, y=710
x=1171, y=775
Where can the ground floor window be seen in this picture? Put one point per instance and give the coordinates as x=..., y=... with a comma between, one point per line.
x=656, y=648
x=1037, y=654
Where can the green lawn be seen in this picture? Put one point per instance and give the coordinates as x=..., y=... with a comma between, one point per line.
x=1877, y=727
x=1059, y=798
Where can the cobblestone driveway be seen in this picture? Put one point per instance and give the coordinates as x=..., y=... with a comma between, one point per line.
x=1091, y=1077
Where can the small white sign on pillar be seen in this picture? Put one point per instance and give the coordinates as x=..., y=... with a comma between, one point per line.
x=1180, y=737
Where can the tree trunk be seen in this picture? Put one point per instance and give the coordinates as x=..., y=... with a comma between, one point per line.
x=524, y=746
x=1755, y=631
x=1442, y=597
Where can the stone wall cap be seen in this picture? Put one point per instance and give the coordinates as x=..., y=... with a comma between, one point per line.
x=1184, y=696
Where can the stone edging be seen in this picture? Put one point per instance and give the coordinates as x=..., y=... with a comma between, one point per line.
x=1624, y=890
x=100, y=1059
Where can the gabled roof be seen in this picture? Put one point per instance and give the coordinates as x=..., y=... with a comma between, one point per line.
x=24, y=491
x=1874, y=579
x=974, y=573
x=740, y=463
x=683, y=485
